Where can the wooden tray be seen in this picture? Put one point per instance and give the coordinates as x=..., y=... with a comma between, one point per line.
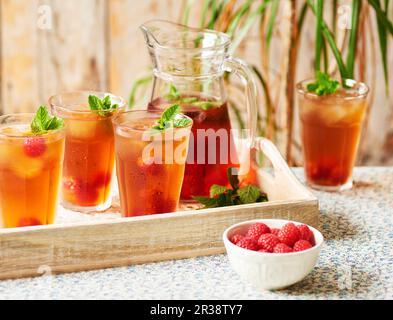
x=80, y=243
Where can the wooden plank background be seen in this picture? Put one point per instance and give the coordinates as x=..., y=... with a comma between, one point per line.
x=96, y=44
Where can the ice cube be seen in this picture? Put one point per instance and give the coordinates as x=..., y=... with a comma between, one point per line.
x=26, y=167
x=81, y=129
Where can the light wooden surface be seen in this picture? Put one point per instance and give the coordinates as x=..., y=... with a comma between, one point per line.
x=125, y=242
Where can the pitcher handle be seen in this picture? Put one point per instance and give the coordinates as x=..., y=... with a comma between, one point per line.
x=241, y=69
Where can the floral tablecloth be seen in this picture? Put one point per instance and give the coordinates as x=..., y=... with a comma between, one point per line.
x=356, y=261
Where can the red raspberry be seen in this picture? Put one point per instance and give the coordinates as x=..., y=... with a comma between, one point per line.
x=256, y=230
x=302, y=245
x=263, y=251
x=282, y=248
x=34, y=147
x=289, y=234
x=275, y=231
x=102, y=179
x=248, y=244
x=236, y=238
x=306, y=234
x=268, y=241
x=29, y=222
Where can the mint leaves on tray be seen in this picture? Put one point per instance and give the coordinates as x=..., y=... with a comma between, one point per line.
x=221, y=196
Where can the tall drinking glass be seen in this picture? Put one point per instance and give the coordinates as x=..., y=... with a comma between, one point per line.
x=30, y=172
x=89, y=151
x=150, y=164
x=331, y=131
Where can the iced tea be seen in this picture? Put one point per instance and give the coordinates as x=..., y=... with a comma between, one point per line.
x=150, y=166
x=30, y=173
x=331, y=131
x=89, y=151
x=211, y=119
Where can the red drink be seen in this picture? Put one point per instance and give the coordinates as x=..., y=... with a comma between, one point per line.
x=30, y=173
x=89, y=152
x=150, y=167
x=331, y=131
x=212, y=149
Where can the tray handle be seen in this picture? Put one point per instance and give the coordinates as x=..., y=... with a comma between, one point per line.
x=282, y=184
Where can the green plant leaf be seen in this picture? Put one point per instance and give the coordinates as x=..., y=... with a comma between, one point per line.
x=242, y=33
x=356, y=9
x=383, y=39
x=104, y=107
x=249, y=194
x=217, y=190
x=319, y=35
x=173, y=94
x=138, y=84
x=168, y=119
x=382, y=17
x=243, y=10
x=271, y=22
x=324, y=85
x=207, y=202
x=43, y=122
x=333, y=46
x=182, y=122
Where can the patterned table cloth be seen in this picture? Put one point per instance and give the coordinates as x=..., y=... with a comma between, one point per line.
x=356, y=262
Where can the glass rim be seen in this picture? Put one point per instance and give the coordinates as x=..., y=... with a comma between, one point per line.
x=24, y=118
x=220, y=35
x=361, y=89
x=116, y=120
x=66, y=109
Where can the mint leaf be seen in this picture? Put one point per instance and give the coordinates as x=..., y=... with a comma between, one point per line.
x=204, y=105
x=182, y=122
x=104, y=107
x=249, y=194
x=217, y=190
x=207, y=202
x=43, y=122
x=169, y=114
x=174, y=94
x=168, y=119
x=324, y=85
x=221, y=196
x=190, y=100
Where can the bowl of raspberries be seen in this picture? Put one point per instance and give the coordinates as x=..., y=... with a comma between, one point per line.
x=273, y=254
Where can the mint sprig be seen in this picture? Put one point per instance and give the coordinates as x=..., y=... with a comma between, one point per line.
x=169, y=119
x=324, y=85
x=174, y=96
x=43, y=122
x=104, y=107
x=221, y=196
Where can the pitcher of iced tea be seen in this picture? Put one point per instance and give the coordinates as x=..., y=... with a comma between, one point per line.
x=189, y=69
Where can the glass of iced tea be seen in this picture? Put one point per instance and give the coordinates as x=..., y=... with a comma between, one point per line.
x=331, y=131
x=150, y=164
x=89, y=150
x=30, y=172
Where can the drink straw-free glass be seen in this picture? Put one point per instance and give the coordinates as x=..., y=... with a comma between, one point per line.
x=331, y=131
x=89, y=151
x=150, y=164
x=30, y=172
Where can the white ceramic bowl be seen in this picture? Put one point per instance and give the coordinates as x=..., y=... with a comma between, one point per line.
x=269, y=271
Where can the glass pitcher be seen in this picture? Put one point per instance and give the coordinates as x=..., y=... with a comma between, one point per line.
x=189, y=70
